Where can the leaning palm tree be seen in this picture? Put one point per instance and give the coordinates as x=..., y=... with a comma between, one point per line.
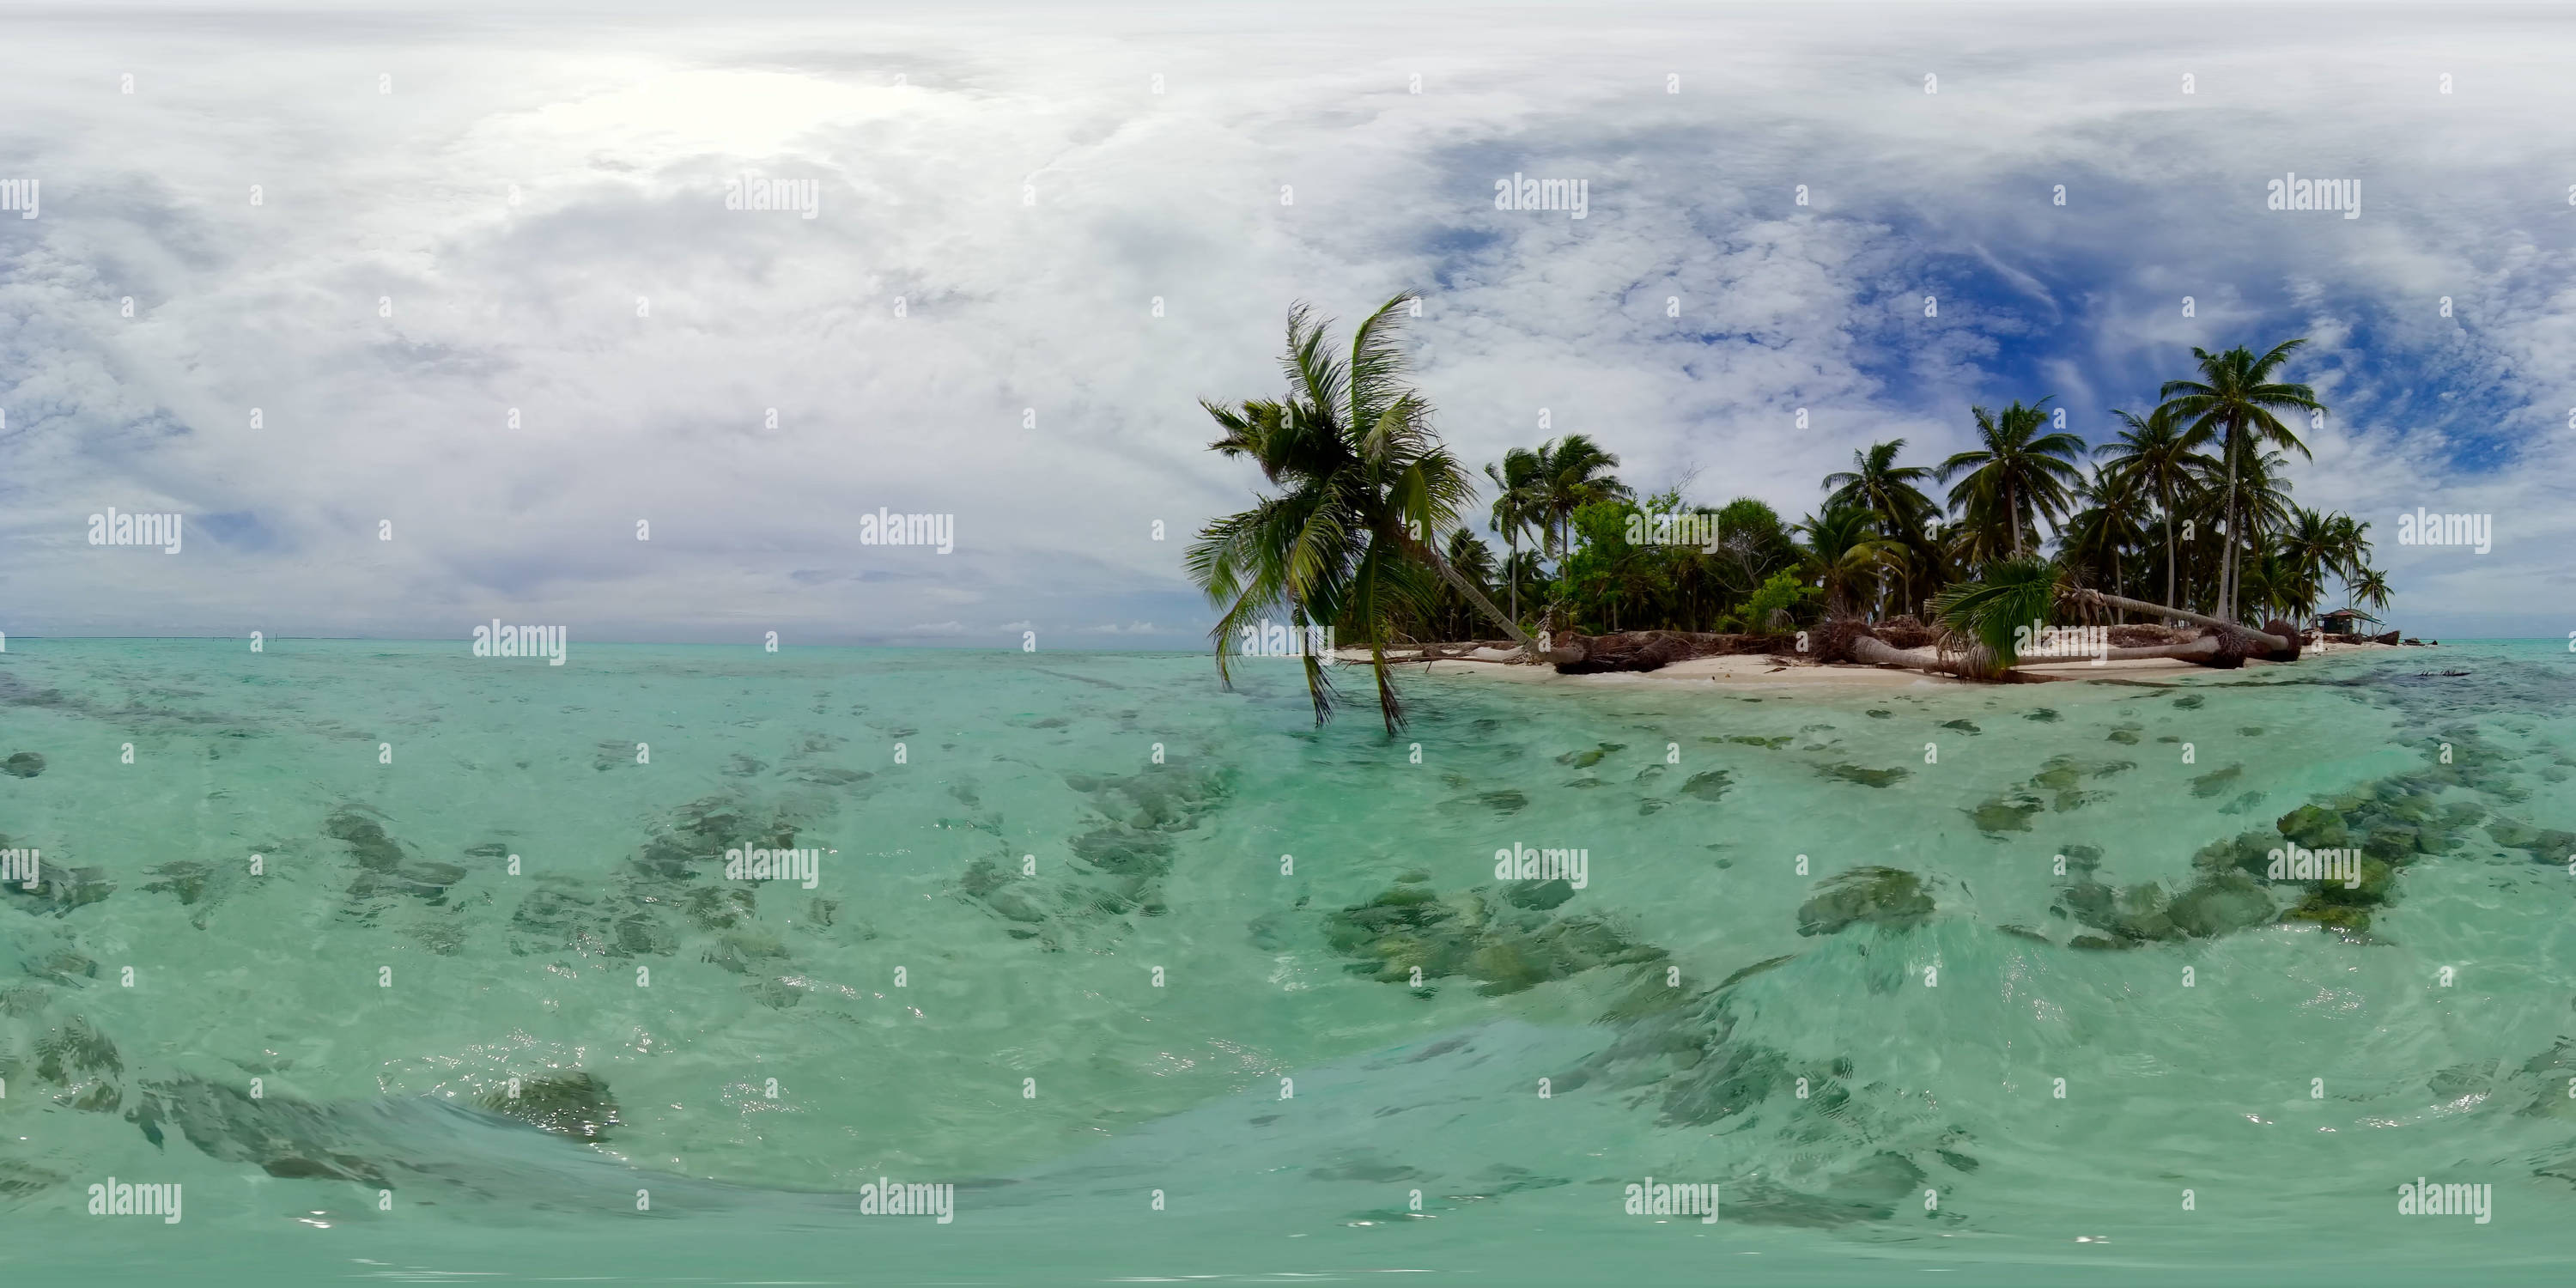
x=2159, y=454
x=1366, y=491
x=1456, y=618
x=2236, y=396
x=2015, y=477
x=1983, y=619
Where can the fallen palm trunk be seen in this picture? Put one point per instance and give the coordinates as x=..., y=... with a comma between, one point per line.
x=2285, y=641
x=2218, y=644
x=1977, y=663
x=1452, y=652
x=1654, y=650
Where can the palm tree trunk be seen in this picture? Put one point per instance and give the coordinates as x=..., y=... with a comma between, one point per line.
x=2120, y=601
x=2167, y=493
x=2227, y=556
x=1873, y=651
x=1467, y=589
x=1511, y=569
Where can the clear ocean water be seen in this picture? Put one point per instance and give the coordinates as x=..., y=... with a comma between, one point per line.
x=1869, y=1071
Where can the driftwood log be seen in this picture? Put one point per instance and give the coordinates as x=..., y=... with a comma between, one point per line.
x=1655, y=650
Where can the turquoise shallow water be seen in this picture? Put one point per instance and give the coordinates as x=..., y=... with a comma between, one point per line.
x=384, y=975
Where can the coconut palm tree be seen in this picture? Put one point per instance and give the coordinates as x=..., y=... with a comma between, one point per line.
x=1846, y=555
x=1517, y=505
x=1893, y=495
x=2310, y=546
x=2016, y=477
x=2112, y=520
x=1890, y=493
x=1524, y=572
x=2268, y=582
x=2351, y=551
x=1453, y=618
x=2370, y=588
x=1366, y=489
x=1574, y=472
x=2263, y=501
x=2008, y=596
x=2236, y=396
x=2161, y=455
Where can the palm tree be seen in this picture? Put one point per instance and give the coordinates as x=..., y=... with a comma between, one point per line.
x=1846, y=555
x=1517, y=504
x=2161, y=455
x=2017, y=477
x=1893, y=494
x=1366, y=489
x=2310, y=546
x=2351, y=551
x=2237, y=395
x=1574, y=473
x=2007, y=597
x=2268, y=580
x=2370, y=588
x=2263, y=498
x=1454, y=618
x=1887, y=491
x=2114, y=521
x=1524, y=571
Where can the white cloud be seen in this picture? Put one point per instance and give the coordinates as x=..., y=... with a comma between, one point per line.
x=619, y=140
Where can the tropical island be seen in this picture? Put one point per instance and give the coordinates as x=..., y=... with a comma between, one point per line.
x=1366, y=551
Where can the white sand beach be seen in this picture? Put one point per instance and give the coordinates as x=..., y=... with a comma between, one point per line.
x=1756, y=670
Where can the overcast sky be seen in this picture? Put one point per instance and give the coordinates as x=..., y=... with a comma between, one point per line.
x=520, y=191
